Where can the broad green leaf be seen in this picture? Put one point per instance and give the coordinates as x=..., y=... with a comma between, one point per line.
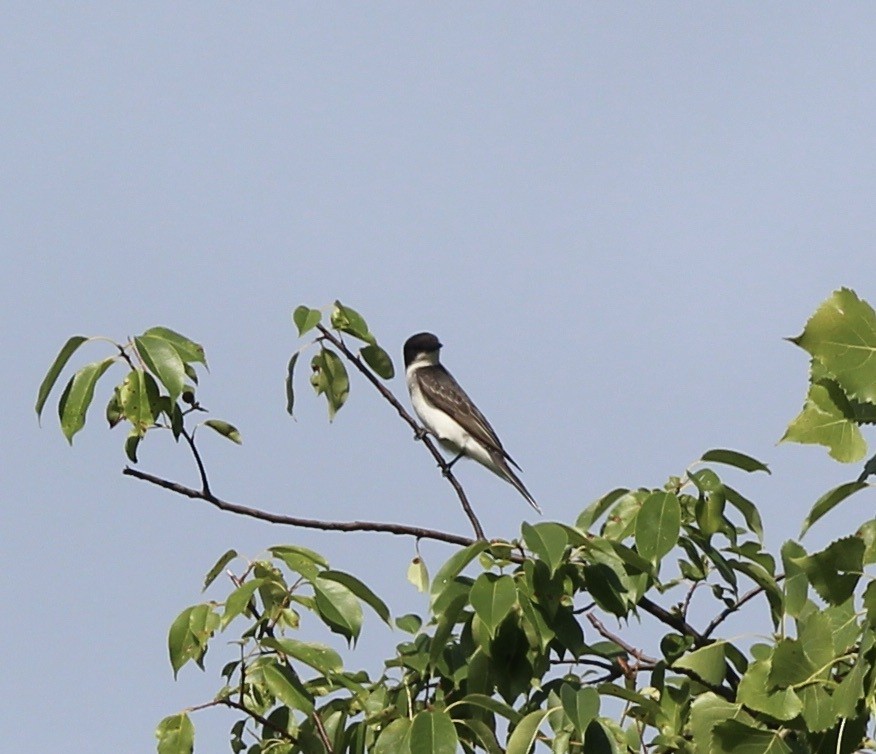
x=867, y=533
x=78, y=395
x=829, y=500
x=828, y=419
x=453, y=567
x=114, y=413
x=834, y=572
x=188, y=350
x=842, y=336
x=548, y=541
x=490, y=704
x=418, y=574
x=705, y=480
x=379, y=360
x=329, y=377
x=658, y=525
x=338, y=607
x=286, y=687
x=580, y=705
x=754, y=693
x=851, y=690
x=281, y=551
x=747, y=509
x=395, y=738
x=67, y=350
x=595, y=510
x=492, y=598
x=445, y=623
x=601, y=738
x=796, y=585
x=164, y=362
x=362, y=591
x=484, y=735
x=176, y=735
x=409, y=623
x=819, y=708
x=708, y=663
x=225, y=429
x=320, y=657
x=790, y=665
x=815, y=633
x=214, y=572
x=351, y=322
x=239, y=599
x=306, y=319
x=132, y=443
x=290, y=387
x=138, y=395
x=433, y=732
x=733, y=737
x=710, y=512
x=525, y=732
x=706, y=711
x=188, y=635
x=734, y=458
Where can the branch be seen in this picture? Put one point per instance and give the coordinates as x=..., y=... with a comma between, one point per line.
x=672, y=620
x=726, y=612
x=306, y=523
x=418, y=431
x=628, y=648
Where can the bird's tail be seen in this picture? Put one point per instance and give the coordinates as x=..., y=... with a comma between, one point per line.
x=513, y=479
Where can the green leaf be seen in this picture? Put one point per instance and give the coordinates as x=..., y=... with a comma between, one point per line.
x=495, y=706
x=409, y=623
x=452, y=568
x=524, y=734
x=433, y=732
x=790, y=665
x=842, y=336
x=734, y=458
x=379, y=360
x=828, y=419
x=329, y=377
x=188, y=350
x=320, y=657
x=306, y=319
x=658, y=525
x=754, y=693
x=829, y=500
x=492, y=598
x=708, y=663
x=548, y=541
x=362, y=591
x=67, y=350
x=239, y=599
x=580, y=705
x=338, y=607
x=282, y=551
x=484, y=736
x=747, y=509
x=164, y=362
x=78, y=395
x=290, y=387
x=796, y=585
x=176, y=735
x=395, y=738
x=445, y=623
x=851, y=690
x=114, y=413
x=418, y=574
x=706, y=711
x=834, y=572
x=819, y=709
x=595, y=510
x=138, y=395
x=214, y=572
x=733, y=737
x=188, y=635
x=350, y=321
x=286, y=687
x=132, y=443
x=225, y=429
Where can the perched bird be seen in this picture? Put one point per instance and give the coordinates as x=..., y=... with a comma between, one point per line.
x=450, y=415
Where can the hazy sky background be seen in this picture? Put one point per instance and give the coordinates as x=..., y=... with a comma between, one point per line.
x=610, y=214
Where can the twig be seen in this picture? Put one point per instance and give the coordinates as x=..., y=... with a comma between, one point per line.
x=190, y=439
x=306, y=523
x=672, y=620
x=243, y=708
x=726, y=612
x=628, y=648
x=418, y=431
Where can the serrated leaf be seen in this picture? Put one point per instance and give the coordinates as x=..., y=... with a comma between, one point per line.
x=78, y=395
x=492, y=598
x=338, y=607
x=835, y=571
x=707, y=710
x=176, y=735
x=329, y=377
x=658, y=525
x=188, y=350
x=827, y=419
x=219, y=566
x=733, y=737
x=819, y=709
x=548, y=541
x=320, y=657
x=708, y=663
x=580, y=705
x=361, y=590
x=379, y=360
x=850, y=690
x=225, y=429
x=524, y=734
x=789, y=665
x=286, y=687
x=754, y=693
x=829, y=500
x=306, y=319
x=842, y=336
x=164, y=361
x=418, y=574
x=433, y=732
x=351, y=322
x=290, y=387
x=734, y=458
x=67, y=350
x=453, y=567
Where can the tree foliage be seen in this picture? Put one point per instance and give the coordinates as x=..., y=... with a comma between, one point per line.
x=524, y=645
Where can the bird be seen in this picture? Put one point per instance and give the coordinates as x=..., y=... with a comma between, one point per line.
x=450, y=415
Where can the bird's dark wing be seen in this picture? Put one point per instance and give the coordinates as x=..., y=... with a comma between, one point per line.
x=442, y=391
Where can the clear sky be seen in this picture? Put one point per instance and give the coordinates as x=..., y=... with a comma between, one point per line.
x=609, y=213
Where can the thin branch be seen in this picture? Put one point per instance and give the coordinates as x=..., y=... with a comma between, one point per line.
x=255, y=716
x=628, y=648
x=190, y=439
x=306, y=523
x=418, y=430
x=672, y=620
x=726, y=612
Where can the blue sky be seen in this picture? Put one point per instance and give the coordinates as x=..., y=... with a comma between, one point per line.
x=610, y=214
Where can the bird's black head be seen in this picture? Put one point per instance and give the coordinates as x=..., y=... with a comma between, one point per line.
x=422, y=342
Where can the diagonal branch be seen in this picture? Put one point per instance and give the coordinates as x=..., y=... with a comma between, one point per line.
x=306, y=523
x=726, y=612
x=418, y=431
